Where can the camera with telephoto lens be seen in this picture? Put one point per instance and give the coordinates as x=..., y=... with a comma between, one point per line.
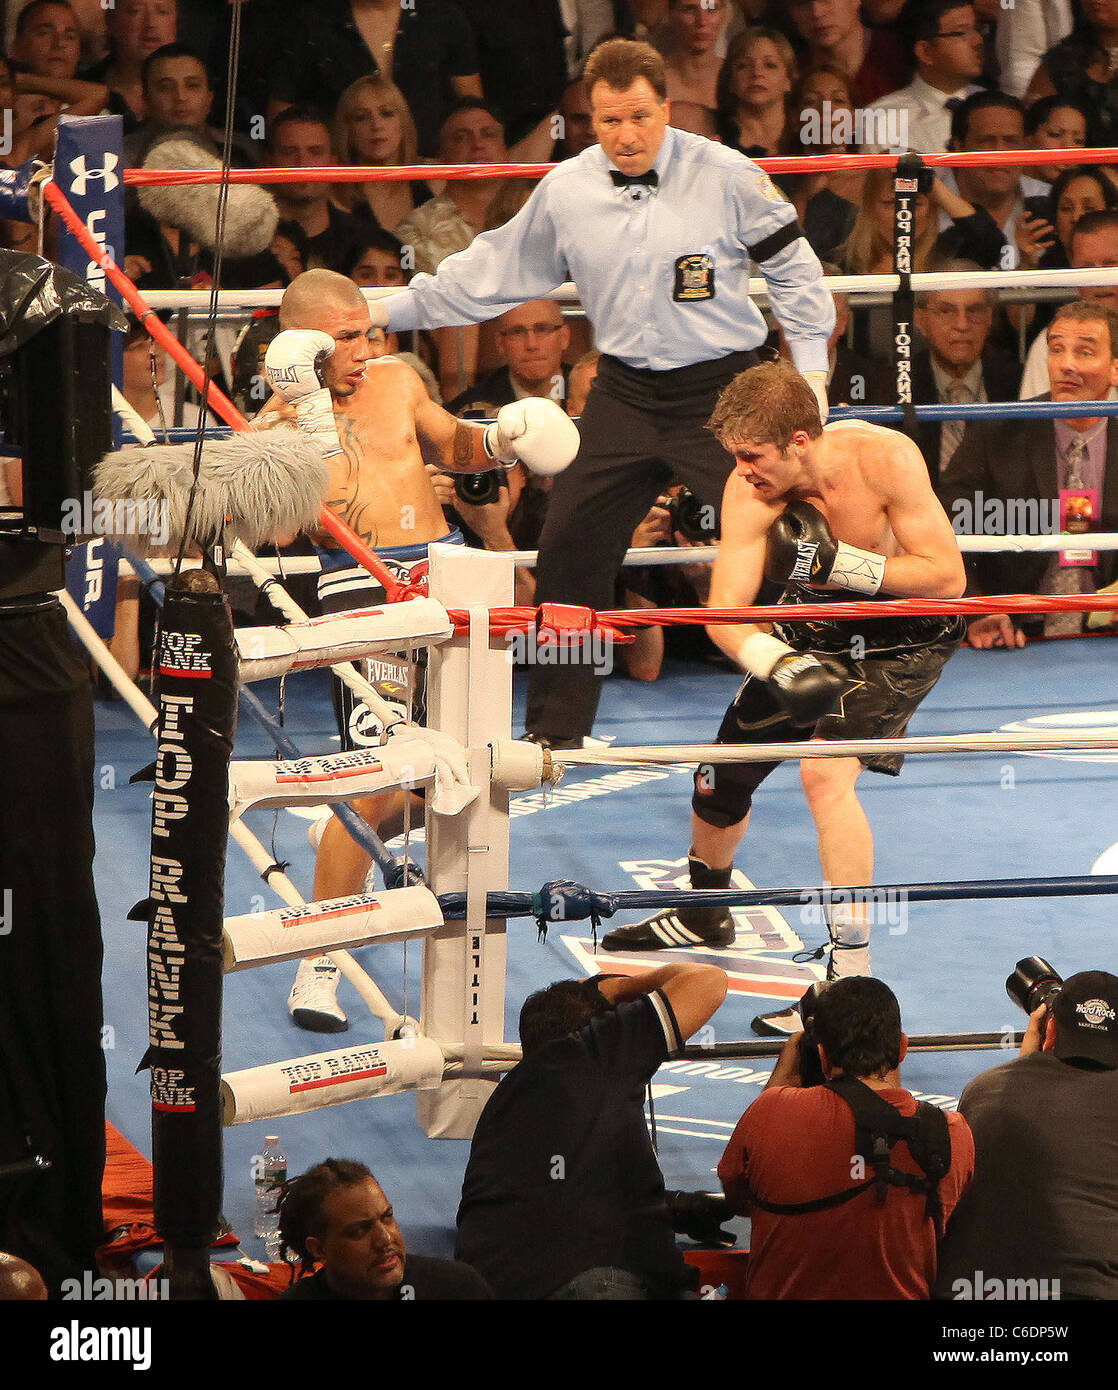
x=1033, y=983
x=480, y=489
x=689, y=516
x=811, y=1068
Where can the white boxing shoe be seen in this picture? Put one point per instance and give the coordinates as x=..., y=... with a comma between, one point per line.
x=313, y=1002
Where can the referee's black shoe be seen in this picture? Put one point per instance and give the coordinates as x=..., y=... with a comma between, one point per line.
x=556, y=744
x=671, y=930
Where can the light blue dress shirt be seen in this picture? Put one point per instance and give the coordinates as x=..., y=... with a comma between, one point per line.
x=628, y=250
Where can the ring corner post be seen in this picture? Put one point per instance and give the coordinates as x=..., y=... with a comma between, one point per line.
x=469, y=697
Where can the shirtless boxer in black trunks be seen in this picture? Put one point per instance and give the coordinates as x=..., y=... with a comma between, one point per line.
x=837, y=513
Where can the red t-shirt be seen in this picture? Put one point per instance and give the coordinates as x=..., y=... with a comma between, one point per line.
x=796, y=1144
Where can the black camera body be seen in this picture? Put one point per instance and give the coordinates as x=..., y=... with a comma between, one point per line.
x=811, y=1068
x=480, y=489
x=692, y=517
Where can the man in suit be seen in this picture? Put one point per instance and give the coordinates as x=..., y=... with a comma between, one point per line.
x=957, y=366
x=532, y=339
x=1009, y=476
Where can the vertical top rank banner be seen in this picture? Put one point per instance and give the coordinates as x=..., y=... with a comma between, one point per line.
x=89, y=170
x=197, y=667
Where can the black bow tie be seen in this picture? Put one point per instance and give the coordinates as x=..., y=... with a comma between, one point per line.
x=650, y=180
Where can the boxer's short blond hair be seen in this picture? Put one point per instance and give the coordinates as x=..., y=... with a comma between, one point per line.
x=765, y=404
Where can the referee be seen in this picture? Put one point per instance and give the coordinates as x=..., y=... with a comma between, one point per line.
x=657, y=228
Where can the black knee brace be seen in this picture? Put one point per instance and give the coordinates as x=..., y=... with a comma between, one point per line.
x=724, y=792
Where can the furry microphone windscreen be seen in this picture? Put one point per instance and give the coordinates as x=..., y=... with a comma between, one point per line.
x=267, y=483
x=251, y=214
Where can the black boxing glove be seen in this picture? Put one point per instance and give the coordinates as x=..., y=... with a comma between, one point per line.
x=807, y=688
x=804, y=686
x=801, y=549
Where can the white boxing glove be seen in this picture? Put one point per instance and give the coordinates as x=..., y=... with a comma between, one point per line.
x=818, y=383
x=536, y=432
x=293, y=368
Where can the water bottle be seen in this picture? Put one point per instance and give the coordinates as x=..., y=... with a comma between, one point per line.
x=271, y=1173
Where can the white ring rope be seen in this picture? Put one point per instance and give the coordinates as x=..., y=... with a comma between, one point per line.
x=268, y=566
x=837, y=284
x=967, y=744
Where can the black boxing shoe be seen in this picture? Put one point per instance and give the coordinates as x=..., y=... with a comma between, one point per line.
x=674, y=928
x=670, y=930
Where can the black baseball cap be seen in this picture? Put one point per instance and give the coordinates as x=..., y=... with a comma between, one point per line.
x=1086, y=1013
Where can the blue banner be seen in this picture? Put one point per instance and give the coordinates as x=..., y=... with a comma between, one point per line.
x=89, y=169
x=91, y=575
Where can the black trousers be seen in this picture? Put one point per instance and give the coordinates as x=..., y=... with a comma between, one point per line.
x=52, y=1067
x=640, y=429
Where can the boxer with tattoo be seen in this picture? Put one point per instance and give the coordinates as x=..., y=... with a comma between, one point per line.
x=374, y=420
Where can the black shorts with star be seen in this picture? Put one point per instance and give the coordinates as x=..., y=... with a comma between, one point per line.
x=891, y=664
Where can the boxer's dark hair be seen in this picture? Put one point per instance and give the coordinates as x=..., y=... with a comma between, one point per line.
x=765, y=404
x=300, y=1203
x=558, y=1010
x=1089, y=311
x=858, y=1022
x=621, y=62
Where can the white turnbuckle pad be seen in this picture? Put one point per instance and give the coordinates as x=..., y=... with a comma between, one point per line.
x=355, y=1072
x=268, y=652
x=402, y=762
x=289, y=933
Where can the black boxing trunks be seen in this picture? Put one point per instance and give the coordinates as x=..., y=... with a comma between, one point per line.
x=399, y=680
x=891, y=664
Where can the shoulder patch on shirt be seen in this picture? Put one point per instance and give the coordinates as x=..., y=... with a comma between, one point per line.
x=694, y=278
x=768, y=189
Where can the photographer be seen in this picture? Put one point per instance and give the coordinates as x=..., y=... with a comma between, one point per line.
x=827, y=1222
x=1044, y=1201
x=563, y=1197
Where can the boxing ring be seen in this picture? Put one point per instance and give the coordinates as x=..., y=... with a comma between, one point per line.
x=461, y=904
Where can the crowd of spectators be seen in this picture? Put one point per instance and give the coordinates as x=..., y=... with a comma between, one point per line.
x=373, y=84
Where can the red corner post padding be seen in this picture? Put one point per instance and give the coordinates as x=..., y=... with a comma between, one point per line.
x=571, y=620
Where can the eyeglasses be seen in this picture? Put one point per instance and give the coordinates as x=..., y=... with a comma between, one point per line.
x=541, y=330
x=973, y=313
x=969, y=33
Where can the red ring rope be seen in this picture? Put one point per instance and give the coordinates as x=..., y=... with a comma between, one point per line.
x=788, y=164
x=503, y=621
